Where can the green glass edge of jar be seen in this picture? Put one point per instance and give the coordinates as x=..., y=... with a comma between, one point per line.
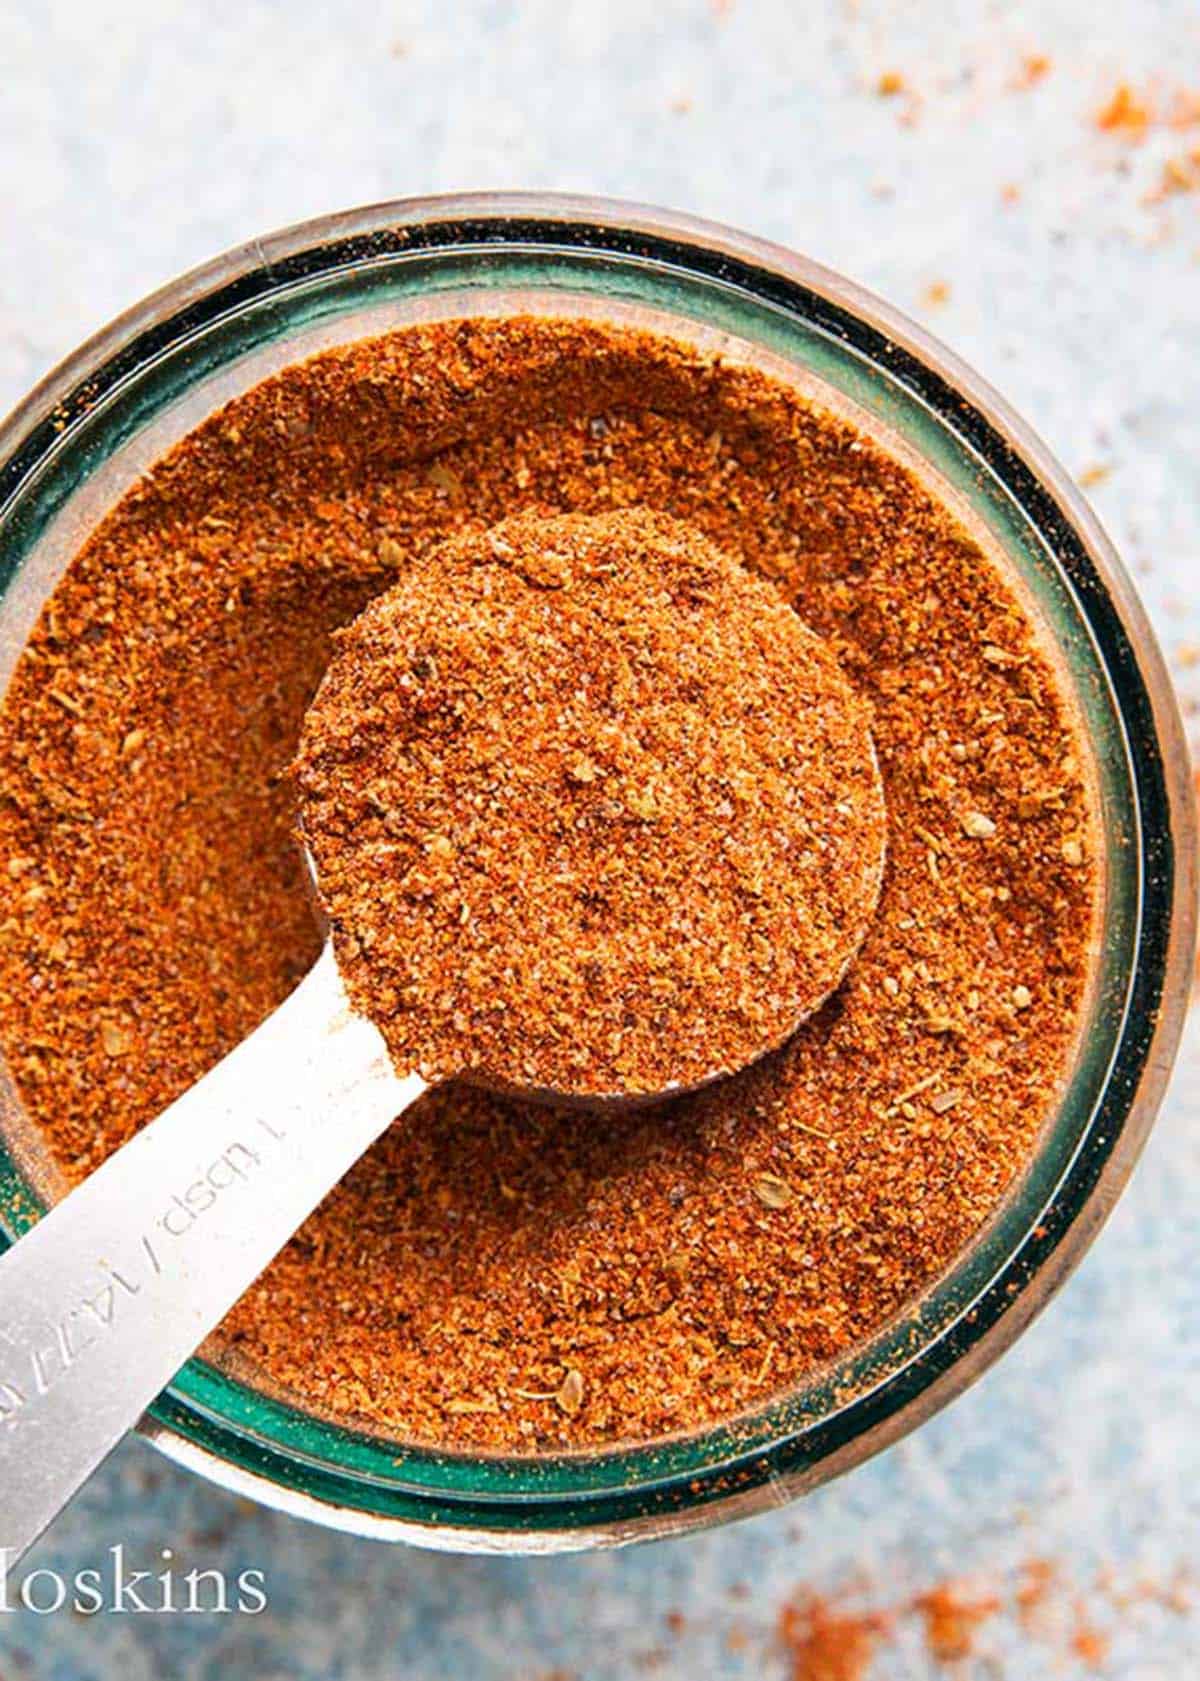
x=345, y=1466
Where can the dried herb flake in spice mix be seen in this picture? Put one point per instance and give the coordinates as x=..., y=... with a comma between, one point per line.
x=494, y=1273
x=592, y=810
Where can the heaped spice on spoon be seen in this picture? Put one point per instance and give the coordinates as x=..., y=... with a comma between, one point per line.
x=592, y=810
x=688, y=1260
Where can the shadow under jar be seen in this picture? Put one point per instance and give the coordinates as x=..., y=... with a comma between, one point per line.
x=511, y=1328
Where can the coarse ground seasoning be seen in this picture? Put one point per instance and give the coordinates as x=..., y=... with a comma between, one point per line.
x=495, y=1274
x=591, y=809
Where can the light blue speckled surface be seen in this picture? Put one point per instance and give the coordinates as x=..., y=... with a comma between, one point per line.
x=137, y=139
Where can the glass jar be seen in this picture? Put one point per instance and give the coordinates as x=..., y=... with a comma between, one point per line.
x=79, y=440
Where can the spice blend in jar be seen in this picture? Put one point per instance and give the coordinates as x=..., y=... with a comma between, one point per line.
x=591, y=809
x=496, y=1274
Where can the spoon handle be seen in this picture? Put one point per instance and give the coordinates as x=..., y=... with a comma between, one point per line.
x=108, y=1295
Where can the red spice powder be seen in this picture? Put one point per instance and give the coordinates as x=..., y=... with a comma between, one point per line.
x=1180, y=174
x=1037, y=1582
x=1088, y=1643
x=824, y=1643
x=952, y=1618
x=1131, y=114
x=494, y=1274
x=1184, y=110
x=1125, y=113
x=1035, y=67
x=828, y=1643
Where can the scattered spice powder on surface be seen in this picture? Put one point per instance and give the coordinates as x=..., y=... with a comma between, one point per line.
x=591, y=809
x=951, y=1618
x=1125, y=113
x=1179, y=174
x=1046, y=1622
x=1183, y=111
x=1131, y=114
x=826, y=1643
x=1035, y=67
x=1038, y=1579
x=1088, y=1643
x=486, y=1248
x=1131, y=117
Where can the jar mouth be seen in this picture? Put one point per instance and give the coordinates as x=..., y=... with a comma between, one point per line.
x=178, y=355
